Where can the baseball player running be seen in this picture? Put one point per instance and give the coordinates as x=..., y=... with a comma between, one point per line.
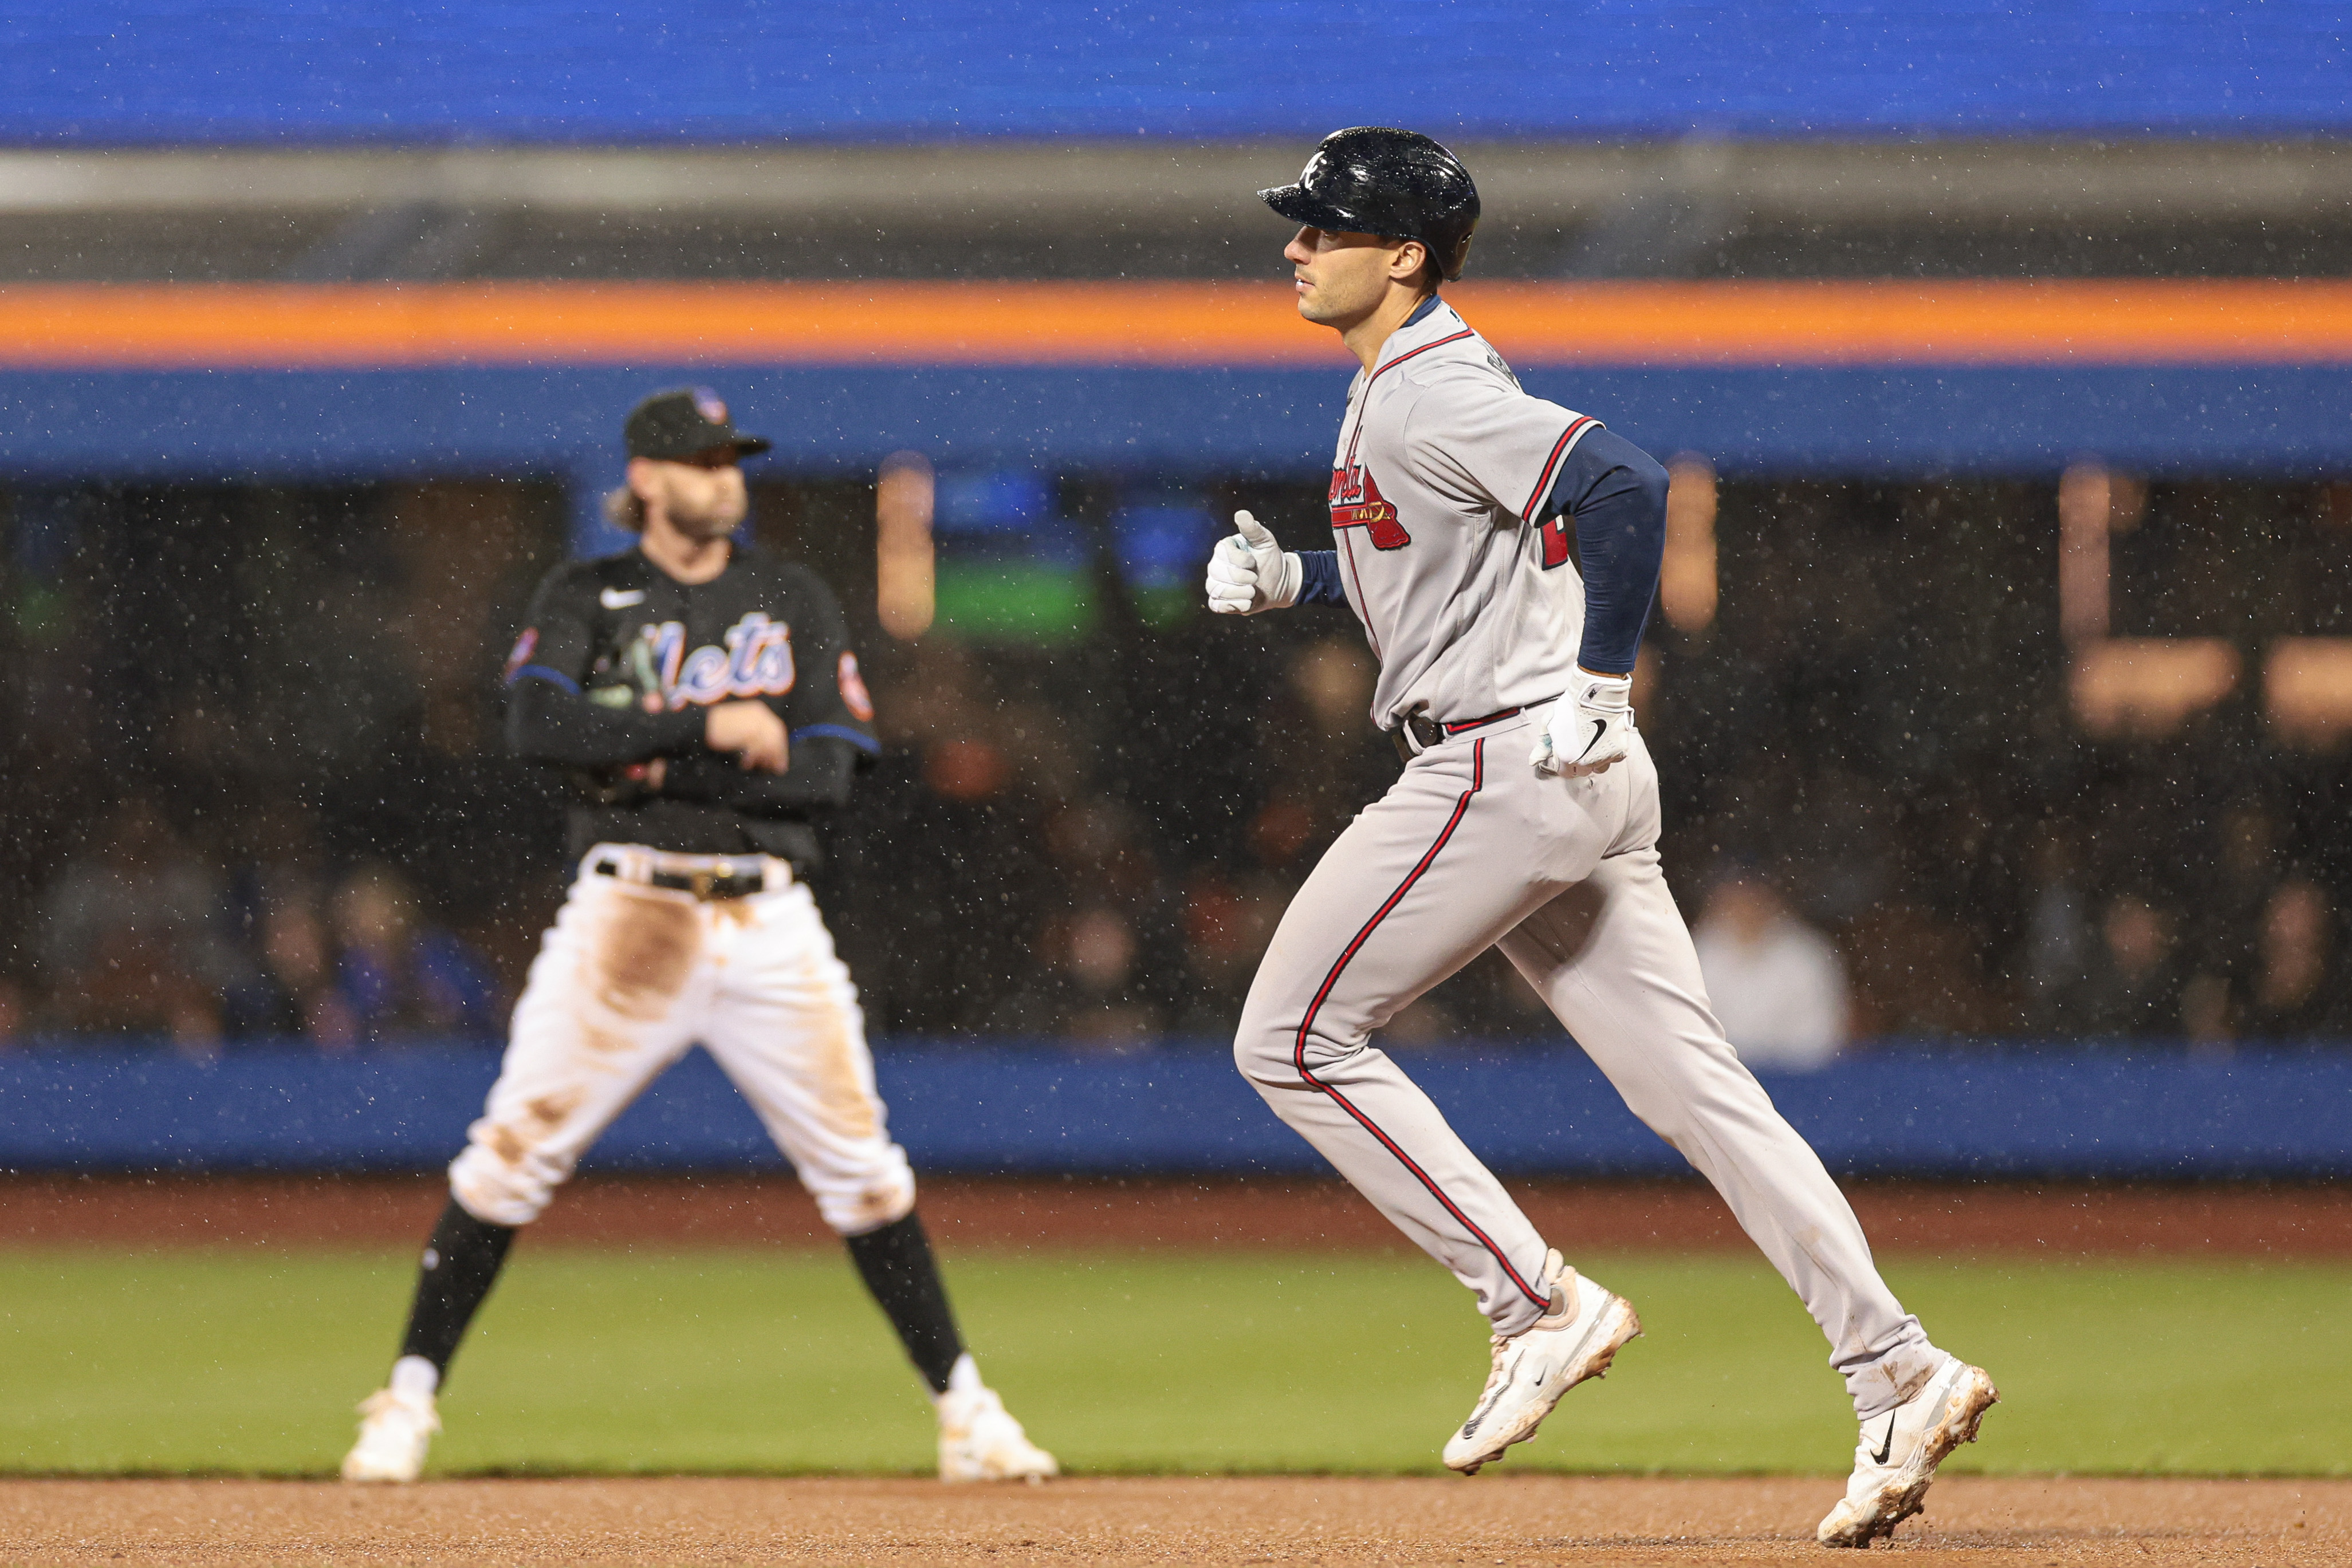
x=1526, y=818
x=705, y=694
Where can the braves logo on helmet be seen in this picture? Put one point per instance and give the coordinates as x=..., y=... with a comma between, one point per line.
x=1357, y=503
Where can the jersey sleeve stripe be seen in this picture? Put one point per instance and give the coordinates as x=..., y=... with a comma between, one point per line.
x=542, y=672
x=857, y=738
x=1566, y=444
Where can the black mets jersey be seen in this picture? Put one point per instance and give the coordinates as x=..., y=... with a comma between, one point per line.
x=611, y=677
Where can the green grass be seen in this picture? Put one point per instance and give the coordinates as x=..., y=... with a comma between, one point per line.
x=753, y=1361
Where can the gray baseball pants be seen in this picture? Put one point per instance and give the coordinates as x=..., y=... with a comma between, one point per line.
x=1471, y=849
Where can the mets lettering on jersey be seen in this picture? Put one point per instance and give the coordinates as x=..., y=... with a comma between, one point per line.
x=1474, y=617
x=757, y=662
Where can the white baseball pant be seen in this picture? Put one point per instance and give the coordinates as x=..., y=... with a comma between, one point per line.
x=1471, y=849
x=628, y=978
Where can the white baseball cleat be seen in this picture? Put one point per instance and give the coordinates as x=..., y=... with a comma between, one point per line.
x=1585, y=1329
x=978, y=1438
x=1896, y=1460
x=398, y=1427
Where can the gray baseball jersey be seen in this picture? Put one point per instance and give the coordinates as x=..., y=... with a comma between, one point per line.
x=1468, y=592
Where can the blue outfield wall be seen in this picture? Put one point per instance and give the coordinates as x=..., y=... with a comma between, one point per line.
x=2007, y=1112
x=279, y=425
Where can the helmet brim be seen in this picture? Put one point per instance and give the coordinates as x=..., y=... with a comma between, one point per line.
x=1304, y=207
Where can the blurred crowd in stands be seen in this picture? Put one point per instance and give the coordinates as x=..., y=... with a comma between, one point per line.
x=259, y=792
x=142, y=935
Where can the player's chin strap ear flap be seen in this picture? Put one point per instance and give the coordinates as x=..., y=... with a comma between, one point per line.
x=1451, y=266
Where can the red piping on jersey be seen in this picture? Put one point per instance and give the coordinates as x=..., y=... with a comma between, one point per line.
x=1435, y=343
x=1362, y=410
x=1298, y=1053
x=1365, y=615
x=1583, y=423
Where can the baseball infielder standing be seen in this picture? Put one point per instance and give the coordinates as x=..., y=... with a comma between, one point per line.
x=705, y=697
x=1526, y=818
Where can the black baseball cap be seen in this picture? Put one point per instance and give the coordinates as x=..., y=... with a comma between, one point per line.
x=676, y=425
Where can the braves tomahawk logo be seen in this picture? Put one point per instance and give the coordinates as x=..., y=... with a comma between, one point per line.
x=1357, y=503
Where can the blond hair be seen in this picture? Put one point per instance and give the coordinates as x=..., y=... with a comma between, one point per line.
x=625, y=508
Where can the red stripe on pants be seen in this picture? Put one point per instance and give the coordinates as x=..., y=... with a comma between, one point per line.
x=1305, y=1024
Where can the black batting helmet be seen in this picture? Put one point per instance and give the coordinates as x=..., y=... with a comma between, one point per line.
x=1372, y=180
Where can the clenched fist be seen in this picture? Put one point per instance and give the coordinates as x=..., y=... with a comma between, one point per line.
x=1250, y=573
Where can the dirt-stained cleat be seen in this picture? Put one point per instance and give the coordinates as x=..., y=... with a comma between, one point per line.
x=978, y=1438
x=1896, y=1461
x=396, y=1430
x=1585, y=1329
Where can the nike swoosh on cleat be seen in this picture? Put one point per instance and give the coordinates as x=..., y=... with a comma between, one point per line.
x=1886, y=1444
x=1486, y=1406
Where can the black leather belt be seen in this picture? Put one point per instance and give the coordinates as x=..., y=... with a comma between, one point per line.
x=703, y=884
x=1418, y=732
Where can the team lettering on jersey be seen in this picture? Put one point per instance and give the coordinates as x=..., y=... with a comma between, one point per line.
x=756, y=662
x=1555, y=542
x=1356, y=503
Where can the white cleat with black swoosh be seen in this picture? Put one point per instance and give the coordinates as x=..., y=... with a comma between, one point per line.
x=1585, y=1329
x=1896, y=1461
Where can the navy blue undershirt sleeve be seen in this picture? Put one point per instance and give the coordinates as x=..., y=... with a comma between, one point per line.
x=1616, y=493
x=1318, y=578
x=821, y=772
x=546, y=723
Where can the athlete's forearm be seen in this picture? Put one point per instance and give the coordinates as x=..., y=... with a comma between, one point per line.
x=1318, y=578
x=547, y=723
x=821, y=773
x=1617, y=494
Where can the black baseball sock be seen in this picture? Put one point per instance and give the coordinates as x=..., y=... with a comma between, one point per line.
x=897, y=1264
x=461, y=1263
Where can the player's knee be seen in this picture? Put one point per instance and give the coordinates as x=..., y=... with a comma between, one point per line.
x=1262, y=1046
x=853, y=1208
x=501, y=1190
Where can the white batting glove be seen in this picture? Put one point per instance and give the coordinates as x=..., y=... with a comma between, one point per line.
x=1588, y=734
x=1249, y=573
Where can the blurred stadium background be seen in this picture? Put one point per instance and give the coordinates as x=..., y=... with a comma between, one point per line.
x=2003, y=671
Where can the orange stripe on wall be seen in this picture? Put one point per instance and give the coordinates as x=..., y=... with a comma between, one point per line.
x=288, y=326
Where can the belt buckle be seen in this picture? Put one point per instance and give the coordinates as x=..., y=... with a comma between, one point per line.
x=699, y=881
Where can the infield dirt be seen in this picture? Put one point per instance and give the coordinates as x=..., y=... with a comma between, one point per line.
x=2045, y=1220
x=1518, y=1521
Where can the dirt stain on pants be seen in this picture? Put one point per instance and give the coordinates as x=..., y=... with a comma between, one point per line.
x=642, y=954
